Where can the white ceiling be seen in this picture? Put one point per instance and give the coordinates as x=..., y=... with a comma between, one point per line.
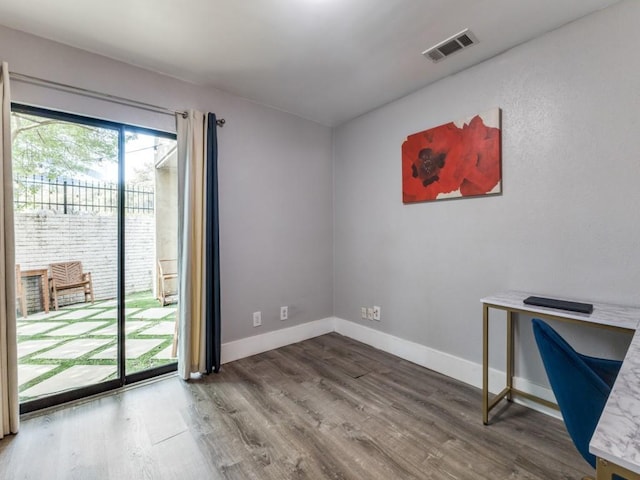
x=325, y=60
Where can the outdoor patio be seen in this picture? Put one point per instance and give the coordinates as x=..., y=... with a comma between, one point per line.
x=76, y=345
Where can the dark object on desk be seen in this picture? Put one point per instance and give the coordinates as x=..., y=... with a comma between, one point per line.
x=559, y=304
x=580, y=384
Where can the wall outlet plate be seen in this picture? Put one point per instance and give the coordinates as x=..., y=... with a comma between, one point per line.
x=377, y=312
x=284, y=313
x=257, y=319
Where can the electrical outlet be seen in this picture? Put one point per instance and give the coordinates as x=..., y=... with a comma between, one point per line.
x=376, y=313
x=284, y=313
x=257, y=319
x=369, y=313
x=363, y=313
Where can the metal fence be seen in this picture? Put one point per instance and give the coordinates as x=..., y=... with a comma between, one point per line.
x=73, y=196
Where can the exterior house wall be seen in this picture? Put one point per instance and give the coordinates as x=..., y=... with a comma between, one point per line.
x=46, y=237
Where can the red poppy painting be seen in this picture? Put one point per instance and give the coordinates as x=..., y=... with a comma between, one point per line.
x=457, y=159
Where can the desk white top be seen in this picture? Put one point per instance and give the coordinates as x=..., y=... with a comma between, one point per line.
x=603, y=313
x=617, y=436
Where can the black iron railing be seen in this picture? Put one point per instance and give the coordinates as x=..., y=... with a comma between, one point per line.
x=68, y=195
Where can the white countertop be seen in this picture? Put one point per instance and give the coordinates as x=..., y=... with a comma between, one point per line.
x=603, y=313
x=617, y=436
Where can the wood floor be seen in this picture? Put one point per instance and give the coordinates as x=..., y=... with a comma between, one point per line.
x=328, y=407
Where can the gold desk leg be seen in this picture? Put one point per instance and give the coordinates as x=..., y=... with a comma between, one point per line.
x=510, y=354
x=605, y=471
x=485, y=364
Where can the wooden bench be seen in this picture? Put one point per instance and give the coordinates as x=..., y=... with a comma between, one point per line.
x=68, y=278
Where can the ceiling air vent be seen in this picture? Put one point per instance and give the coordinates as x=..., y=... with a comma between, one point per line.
x=451, y=45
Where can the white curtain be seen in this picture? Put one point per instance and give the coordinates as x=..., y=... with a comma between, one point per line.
x=191, y=244
x=9, y=405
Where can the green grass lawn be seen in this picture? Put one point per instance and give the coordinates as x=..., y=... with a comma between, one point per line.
x=140, y=301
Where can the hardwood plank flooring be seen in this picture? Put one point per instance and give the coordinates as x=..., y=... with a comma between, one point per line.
x=326, y=408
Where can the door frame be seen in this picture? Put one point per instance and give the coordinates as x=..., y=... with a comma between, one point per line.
x=123, y=378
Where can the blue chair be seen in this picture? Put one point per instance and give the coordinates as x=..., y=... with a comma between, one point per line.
x=581, y=384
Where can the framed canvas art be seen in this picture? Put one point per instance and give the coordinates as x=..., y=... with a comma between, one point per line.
x=457, y=159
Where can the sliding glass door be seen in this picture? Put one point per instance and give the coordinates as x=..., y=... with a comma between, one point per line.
x=151, y=252
x=94, y=217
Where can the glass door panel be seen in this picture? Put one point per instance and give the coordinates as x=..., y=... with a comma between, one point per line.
x=66, y=241
x=151, y=251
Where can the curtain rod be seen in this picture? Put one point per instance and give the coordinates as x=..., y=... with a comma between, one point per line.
x=21, y=77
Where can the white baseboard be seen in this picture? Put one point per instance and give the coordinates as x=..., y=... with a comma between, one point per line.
x=441, y=362
x=246, y=347
x=455, y=367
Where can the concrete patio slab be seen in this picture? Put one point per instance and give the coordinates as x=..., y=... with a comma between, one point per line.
x=31, y=346
x=75, y=348
x=109, y=303
x=76, y=329
x=129, y=327
x=162, y=328
x=26, y=373
x=112, y=313
x=74, y=306
x=164, y=354
x=85, y=323
x=32, y=328
x=155, y=313
x=134, y=348
x=73, y=377
x=78, y=314
x=41, y=316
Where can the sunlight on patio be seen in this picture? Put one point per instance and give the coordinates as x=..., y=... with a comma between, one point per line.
x=77, y=344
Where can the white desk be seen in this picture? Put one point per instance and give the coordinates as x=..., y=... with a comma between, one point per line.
x=616, y=441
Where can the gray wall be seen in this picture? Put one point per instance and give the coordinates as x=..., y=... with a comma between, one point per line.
x=275, y=173
x=565, y=225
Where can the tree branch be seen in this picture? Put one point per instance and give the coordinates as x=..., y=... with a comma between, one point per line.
x=38, y=124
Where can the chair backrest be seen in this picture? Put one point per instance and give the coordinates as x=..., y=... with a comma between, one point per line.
x=580, y=392
x=167, y=267
x=66, y=273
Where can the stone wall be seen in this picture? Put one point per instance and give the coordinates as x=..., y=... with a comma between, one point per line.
x=46, y=237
